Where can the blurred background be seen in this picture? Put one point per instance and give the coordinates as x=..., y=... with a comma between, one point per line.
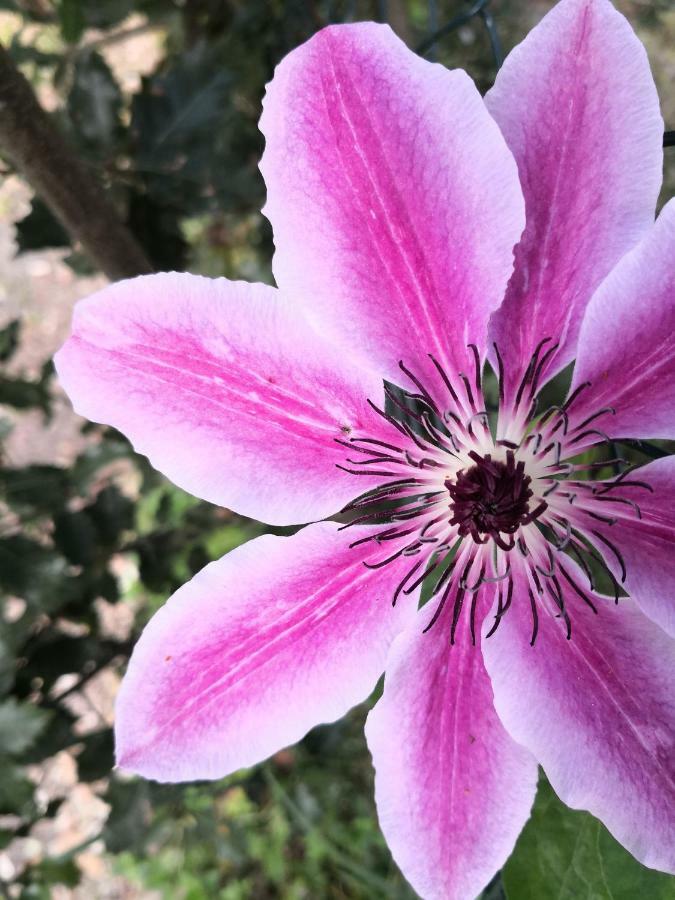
x=159, y=101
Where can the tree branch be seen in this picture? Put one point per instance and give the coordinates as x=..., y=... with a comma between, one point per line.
x=32, y=143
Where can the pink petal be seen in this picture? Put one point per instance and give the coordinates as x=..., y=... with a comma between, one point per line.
x=394, y=201
x=626, y=347
x=598, y=712
x=277, y=636
x=453, y=791
x=578, y=107
x=646, y=544
x=225, y=388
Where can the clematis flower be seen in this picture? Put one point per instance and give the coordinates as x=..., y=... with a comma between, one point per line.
x=397, y=196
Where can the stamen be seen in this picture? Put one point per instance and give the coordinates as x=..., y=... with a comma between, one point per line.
x=621, y=480
x=424, y=575
x=472, y=619
x=372, y=441
x=494, y=578
x=384, y=562
x=459, y=600
x=403, y=581
x=481, y=416
x=404, y=409
x=641, y=484
x=540, y=368
x=446, y=381
x=600, y=412
x=529, y=372
x=387, y=418
x=478, y=368
x=418, y=384
x=575, y=587
x=500, y=373
x=549, y=490
x=615, y=551
x=467, y=387
x=554, y=589
x=368, y=472
x=535, y=617
x=575, y=393
x=601, y=434
x=501, y=609
x=624, y=500
x=550, y=411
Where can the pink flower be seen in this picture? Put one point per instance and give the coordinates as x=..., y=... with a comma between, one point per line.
x=395, y=195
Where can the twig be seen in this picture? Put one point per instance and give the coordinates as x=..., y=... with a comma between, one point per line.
x=32, y=143
x=117, y=37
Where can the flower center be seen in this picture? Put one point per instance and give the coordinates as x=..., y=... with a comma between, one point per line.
x=490, y=498
x=442, y=476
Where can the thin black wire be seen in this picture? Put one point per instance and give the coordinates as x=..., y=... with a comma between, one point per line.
x=456, y=22
x=481, y=9
x=495, y=42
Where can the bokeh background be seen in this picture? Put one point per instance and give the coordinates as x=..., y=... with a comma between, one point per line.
x=161, y=100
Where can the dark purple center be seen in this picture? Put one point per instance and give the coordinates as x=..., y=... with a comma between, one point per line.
x=491, y=498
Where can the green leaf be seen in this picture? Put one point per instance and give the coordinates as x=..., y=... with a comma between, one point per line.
x=565, y=854
x=56, y=871
x=71, y=19
x=106, y=13
x=16, y=791
x=20, y=726
x=94, y=105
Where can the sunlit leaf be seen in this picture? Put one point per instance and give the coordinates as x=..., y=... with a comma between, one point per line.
x=569, y=855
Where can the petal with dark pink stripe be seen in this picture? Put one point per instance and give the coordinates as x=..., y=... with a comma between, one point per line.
x=597, y=711
x=226, y=389
x=578, y=107
x=626, y=348
x=394, y=200
x=279, y=635
x=644, y=543
x=453, y=790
